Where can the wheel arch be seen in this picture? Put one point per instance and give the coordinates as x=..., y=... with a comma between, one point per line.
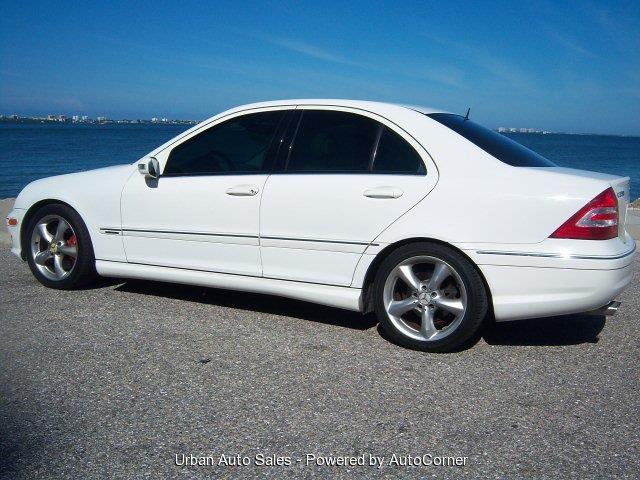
x=26, y=219
x=372, y=270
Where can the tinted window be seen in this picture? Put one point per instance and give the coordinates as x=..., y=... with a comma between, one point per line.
x=495, y=144
x=395, y=155
x=329, y=141
x=238, y=145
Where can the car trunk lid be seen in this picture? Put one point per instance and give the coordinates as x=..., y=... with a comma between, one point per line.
x=620, y=185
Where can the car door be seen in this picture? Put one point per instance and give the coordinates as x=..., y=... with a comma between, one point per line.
x=202, y=212
x=345, y=176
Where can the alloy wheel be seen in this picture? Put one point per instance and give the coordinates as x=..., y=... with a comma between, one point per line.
x=425, y=298
x=54, y=247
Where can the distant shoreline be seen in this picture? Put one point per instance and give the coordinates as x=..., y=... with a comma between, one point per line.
x=43, y=121
x=165, y=121
x=616, y=135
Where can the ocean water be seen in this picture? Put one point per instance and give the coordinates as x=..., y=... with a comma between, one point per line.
x=599, y=153
x=32, y=151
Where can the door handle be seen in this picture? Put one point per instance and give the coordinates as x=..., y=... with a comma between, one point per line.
x=243, y=190
x=383, y=192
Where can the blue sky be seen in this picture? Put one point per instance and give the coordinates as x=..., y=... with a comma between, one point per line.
x=571, y=66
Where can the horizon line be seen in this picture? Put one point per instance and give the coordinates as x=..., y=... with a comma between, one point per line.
x=15, y=118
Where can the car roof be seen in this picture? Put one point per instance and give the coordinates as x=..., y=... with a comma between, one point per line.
x=381, y=108
x=339, y=102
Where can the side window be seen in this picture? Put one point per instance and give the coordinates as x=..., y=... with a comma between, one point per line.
x=330, y=141
x=395, y=155
x=238, y=145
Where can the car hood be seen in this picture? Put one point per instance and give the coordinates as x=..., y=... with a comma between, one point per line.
x=72, y=185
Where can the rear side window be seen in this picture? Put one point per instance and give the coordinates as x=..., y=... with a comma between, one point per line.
x=329, y=141
x=495, y=144
x=395, y=155
x=238, y=145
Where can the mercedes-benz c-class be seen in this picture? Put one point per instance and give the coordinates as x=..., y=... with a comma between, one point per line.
x=422, y=216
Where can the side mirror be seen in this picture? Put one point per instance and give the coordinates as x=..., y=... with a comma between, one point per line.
x=149, y=167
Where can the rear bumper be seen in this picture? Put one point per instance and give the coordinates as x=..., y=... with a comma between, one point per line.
x=531, y=292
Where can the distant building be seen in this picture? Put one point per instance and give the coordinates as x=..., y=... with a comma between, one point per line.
x=165, y=120
x=154, y=119
x=62, y=118
x=502, y=129
x=75, y=118
x=84, y=118
x=102, y=119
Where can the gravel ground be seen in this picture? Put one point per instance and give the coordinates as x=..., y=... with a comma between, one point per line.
x=117, y=380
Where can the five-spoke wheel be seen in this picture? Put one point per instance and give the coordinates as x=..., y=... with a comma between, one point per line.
x=425, y=298
x=58, y=247
x=428, y=296
x=54, y=247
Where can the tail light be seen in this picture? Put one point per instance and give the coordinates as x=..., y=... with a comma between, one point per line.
x=597, y=220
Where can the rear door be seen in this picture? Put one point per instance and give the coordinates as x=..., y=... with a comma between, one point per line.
x=344, y=175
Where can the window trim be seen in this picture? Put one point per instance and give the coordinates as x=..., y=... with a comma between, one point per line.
x=376, y=144
x=291, y=109
x=291, y=141
x=210, y=174
x=281, y=164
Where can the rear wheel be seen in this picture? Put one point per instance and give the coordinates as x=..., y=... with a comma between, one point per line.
x=429, y=297
x=59, y=250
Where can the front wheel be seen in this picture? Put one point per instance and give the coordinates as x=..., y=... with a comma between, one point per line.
x=59, y=250
x=429, y=297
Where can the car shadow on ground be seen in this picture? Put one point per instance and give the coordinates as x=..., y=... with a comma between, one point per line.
x=564, y=330
x=100, y=282
x=254, y=302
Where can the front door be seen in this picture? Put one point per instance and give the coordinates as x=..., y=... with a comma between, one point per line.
x=203, y=211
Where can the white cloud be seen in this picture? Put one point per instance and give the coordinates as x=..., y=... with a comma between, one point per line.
x=570, y=44
x=487, y=60
x=310, y=50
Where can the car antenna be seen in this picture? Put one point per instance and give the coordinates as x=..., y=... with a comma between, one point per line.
x=466, y=117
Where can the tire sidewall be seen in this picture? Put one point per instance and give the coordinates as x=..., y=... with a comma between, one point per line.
x=84, y=268
x=474, y=286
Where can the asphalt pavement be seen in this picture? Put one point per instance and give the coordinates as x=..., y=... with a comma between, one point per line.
x=122, y=380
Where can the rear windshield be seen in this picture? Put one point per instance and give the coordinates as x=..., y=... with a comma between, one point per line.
x=495, y=144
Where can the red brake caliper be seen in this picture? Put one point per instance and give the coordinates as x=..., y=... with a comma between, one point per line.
x=73, y=241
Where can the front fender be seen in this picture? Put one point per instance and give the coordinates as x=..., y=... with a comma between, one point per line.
x=94, y=194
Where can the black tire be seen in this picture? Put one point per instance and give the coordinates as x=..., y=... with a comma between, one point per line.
x=476, y=298
x=83, y=271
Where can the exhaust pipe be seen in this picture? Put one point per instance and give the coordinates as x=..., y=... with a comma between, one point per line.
x=609, y=309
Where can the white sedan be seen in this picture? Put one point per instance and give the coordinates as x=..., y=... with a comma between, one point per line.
x=424, y=217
